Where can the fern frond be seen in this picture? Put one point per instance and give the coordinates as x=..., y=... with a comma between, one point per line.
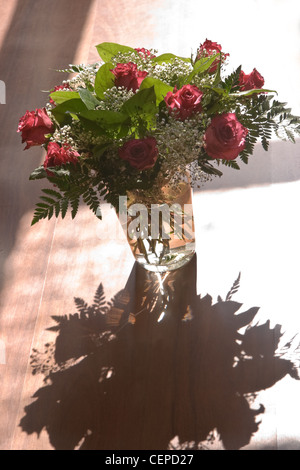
x=72, y=69
x=232, y=81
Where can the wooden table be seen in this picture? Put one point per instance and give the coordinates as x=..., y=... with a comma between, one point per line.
x=87, y=360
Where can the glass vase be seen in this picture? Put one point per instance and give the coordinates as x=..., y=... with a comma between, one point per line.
x=159, y=226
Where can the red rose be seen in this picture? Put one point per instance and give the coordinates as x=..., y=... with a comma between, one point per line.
x=64, y=86
x=128, y=76
x=225, y=137
x=184, y=102
x=57, y=156
x=143, y=53
x=140, y=153
x=33, y=126
x=252, y=81
x=209, y=48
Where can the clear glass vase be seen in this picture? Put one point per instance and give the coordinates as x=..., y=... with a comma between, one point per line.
x=160, y=226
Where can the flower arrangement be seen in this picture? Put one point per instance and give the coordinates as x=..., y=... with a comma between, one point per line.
x=136, y=119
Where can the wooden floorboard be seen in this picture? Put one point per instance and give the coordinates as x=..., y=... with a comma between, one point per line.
x=84, y=362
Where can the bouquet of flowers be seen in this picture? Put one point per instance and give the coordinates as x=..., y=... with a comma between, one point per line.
x=136, y=119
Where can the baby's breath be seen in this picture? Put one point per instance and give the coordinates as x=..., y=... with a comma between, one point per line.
x=114, y=98
x=170, y=72
x=140, y=59
x=179, y=141
x=85, y=77
x=63, y=136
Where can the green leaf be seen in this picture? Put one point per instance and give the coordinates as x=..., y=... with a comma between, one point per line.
x=62, y=111
x=48, y=199
x=99, y=150
x=201, y=66
x=104, y=80
x=88, y=98
x=75, y=206
x=250, y=92
x=218, y=74
x=231, y=163
x=64, y=204
x=60, y=170
x=38, y=173
x=143, y=102
x=102, y=121
x=232, y=80
x=208, y=168
x=42, y=205
x=104, y=118
x=160, y=88
x=107, y=50
x=62, y=96
x=168, y=58
x=219, y=91
x=52, y=192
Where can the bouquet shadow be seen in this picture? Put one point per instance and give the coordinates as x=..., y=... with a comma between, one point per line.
x=157, y=367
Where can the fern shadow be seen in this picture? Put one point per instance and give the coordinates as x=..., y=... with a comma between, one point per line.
x=156, y=367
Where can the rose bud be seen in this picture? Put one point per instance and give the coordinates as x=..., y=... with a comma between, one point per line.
x=34, y=125
x=209, y=48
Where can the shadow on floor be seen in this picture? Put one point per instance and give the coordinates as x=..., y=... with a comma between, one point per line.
x=157, y=367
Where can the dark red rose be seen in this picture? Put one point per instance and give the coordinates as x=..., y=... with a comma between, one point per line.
x=184, y=102
x=34, y=125
x=140, y=153
x=64, y=86
x=225, y=137
x=143, y=53
x=57, y=156
x=128, y=76
x=252, y=81
x=209, y=48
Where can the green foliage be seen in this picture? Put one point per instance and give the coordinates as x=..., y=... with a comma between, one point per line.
x=263, y=116
x=168, y=58
x=88, y=98
x=107, y=50
x=72, y=186
x=201, y=66
x=64, y=112
x=160, y=88
x=104, y=79
x=142, y=103
x=230, y=83
x=72, y=69
x=99, y=118
x=62, y=96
